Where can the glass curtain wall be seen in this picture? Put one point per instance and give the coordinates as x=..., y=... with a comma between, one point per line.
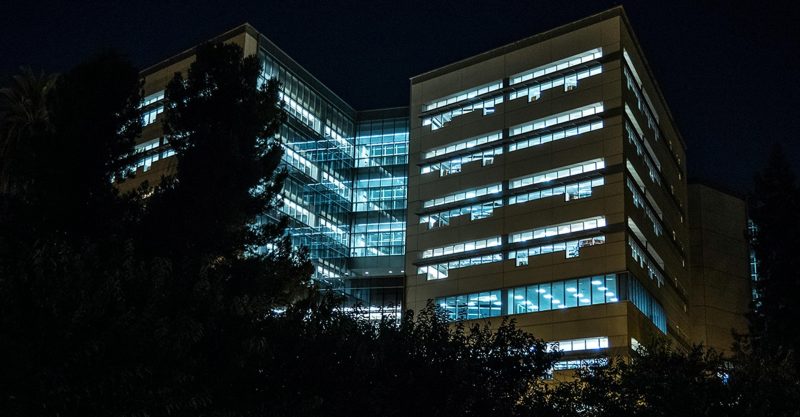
x=377, y=246
x=345, y=194
x=318, y=140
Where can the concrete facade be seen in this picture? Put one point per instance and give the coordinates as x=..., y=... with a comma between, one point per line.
x=721, y=291
x=546, y=170
x=640, y=188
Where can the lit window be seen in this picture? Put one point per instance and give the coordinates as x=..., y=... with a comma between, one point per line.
x=576, y=345
x=572, y=248
x=149, y=116
x=558, y=173
x=441, y=120
x=556, y=119
x=570, y=81
x=463, y=96
x=463, y=195
x=476, y=212
x=439, y=271
x=552, y=67
x=554, y=135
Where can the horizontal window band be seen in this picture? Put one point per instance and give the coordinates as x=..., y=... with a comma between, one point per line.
x=150, y=152
x=561, y=73
x=567, y=237
x=505, y=246
x=613, y=169
x=509, y=88
x=458, y=104
x=463, y=203
x=508, y=140
x=462, y=255
x=618, y=273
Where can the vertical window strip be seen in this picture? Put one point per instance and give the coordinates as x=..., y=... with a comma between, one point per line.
x=640, y=202
x=643, y=259
x=643, y=101
x=637, y=137
x=634, y=84
x=638, y=142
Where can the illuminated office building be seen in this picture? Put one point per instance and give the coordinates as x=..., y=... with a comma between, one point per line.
x=345, y=194
x=547, y=182
x=543, y=180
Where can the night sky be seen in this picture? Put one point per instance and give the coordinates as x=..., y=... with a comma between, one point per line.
x=729, y=70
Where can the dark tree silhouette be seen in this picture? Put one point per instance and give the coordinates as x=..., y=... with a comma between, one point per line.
x=324, y=362
x=24, y=119
x=184, y=299
x=656, y=380
x=64, y=262
x=154, y=302
x=229, y=270
x=775, y=203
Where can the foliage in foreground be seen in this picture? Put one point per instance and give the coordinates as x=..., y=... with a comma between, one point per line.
x=159, y=302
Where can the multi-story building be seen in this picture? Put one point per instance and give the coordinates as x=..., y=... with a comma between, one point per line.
x=547, y=181
x=345, y=194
